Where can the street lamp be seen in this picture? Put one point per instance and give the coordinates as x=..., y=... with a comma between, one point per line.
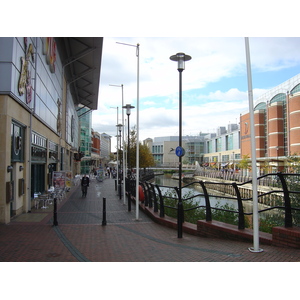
x=128, y=108
x=119, y=126
x=180, y=58
x=137, y=46
x=123, y=133
x=117, y=108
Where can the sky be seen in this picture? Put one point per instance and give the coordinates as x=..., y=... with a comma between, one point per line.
x=214, y=82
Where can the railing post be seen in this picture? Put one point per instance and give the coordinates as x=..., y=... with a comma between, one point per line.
x=240, y=206
x=207, y=202
x=104, y=212
x=180, y=216
x=151, y=192
x=161, y=203
x=155, y=208
x=288, y=221
x=146, y=193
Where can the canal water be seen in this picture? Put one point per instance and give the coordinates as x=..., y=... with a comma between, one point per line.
x=166, y=180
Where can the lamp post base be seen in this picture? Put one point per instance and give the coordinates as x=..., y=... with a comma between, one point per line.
x=251, y=249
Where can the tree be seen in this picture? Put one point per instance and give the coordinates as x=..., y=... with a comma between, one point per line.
x=244, y=164
x=294, y=163
x=145, y=156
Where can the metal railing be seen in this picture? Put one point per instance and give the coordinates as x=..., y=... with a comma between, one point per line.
x=288, y=185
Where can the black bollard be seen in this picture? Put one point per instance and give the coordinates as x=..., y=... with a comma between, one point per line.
x=104, y=212
x=179, y=219
x=55, y=223
x=120, y=191
x=129, y=201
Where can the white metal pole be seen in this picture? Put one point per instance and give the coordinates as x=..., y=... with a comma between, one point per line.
x=117, y=148
x=137, y=136
x=255, y=247
x=137, y=126
x=123, y=133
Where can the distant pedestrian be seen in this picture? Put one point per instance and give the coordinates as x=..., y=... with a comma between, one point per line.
x=85, y=183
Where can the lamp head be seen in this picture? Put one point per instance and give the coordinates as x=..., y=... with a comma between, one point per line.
x=128, y=108
x=180, y=58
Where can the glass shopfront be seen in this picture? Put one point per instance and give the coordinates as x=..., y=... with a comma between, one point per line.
x=38, y=162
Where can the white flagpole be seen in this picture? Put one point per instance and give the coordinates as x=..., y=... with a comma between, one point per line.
x=255, y=247
x=123, y=134
x=137, y=135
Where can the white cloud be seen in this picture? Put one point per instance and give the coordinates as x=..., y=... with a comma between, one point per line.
x=213, y=60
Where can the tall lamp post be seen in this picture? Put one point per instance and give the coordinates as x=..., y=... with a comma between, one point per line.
x=180, y=58
x=119, y=126
x=123, y=134
x=117, y=108
x=137, y=46
x=128, y=108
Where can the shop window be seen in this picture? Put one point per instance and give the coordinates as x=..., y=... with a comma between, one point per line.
x=17, y=143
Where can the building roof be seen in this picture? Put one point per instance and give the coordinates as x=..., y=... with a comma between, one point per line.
x=81, y=59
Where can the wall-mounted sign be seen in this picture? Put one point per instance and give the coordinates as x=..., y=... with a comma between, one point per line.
x=49, y=49
x=24, y=84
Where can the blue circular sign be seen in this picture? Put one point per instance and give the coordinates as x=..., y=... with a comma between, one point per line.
x=180, y=151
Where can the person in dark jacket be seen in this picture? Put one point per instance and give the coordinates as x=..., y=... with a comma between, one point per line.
x=85, y=182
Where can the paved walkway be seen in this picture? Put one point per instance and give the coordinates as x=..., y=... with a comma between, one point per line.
x=80, y=236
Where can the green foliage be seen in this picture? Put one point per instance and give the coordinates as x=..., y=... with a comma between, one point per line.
x=224, y=216
x=270, y=221
x=245, y=162
x=145, y=156
x=193, y=215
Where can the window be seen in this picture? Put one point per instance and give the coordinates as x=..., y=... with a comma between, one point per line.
x=17, y=142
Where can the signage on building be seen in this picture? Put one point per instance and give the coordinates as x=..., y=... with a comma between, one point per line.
x=24, y=84
x=49, y=50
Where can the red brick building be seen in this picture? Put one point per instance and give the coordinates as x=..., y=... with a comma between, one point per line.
x=277, y=126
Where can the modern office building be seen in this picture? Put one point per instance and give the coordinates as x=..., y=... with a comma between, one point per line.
x=44, y=81
x=85, y=124
x=218, y=150
x=163, y=149
x=105, y=148
x=222, y=149
x=277, y=126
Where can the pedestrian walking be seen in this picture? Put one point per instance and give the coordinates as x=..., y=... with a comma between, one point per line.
x=85, y=182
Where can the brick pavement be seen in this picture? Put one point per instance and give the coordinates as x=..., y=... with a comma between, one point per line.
x=80, y=236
